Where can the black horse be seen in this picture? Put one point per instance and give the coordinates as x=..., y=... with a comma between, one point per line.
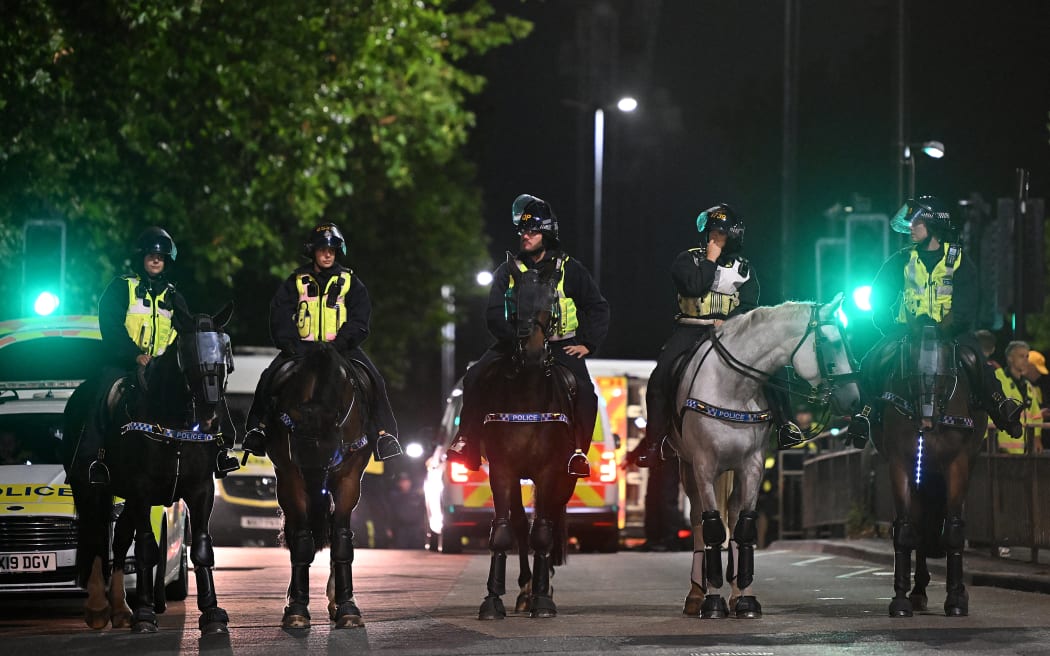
x=161, y=445
x=319, y=449
x=528, y=434
x=931, y=433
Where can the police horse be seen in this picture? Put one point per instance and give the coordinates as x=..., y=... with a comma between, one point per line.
x=722, y=426
x=930, y=435
x=162, y=443
x=528, y=434
x=316, y=438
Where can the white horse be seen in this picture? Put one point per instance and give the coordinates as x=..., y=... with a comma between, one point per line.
x=724, y=426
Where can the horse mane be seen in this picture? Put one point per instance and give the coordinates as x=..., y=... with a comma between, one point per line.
x=743, y=323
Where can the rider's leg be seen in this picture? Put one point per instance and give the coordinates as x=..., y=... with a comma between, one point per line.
x=873, y=369
x=386, y=444
x=91, y=450
x=255, y=428
x=1005, y=412
x=585, y=410
x=466, y=445
x=659, y=392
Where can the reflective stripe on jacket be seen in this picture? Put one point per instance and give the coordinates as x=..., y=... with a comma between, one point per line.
x=319, y=315
x=148, y=321
x=723, y=297
x=1030, y=415
x=569, y=322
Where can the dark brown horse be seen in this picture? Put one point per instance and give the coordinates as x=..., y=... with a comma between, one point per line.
x=528, y=435
x=161, y=445
x=319, y=450
x=930, y=434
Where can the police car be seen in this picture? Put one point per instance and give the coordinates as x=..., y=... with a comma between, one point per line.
x=41, y=363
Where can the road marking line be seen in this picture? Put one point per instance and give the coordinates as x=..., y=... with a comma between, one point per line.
x=866, y=570
x=803, y=563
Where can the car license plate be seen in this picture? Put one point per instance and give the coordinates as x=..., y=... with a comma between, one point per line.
x=261, y=522
x=11, y=563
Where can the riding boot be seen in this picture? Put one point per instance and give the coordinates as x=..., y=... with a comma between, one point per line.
x=1009, y=411
x=387, y=446
x=254, y=442
x=859, y=430
x=646, y=454
x=465, y=451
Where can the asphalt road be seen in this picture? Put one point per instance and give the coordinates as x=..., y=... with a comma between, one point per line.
x=416, y=602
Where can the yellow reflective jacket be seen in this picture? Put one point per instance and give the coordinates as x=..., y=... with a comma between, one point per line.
x=148, y=321
x=319, y=315
x=929, y=293
x=1030, y=415
x=569, y=321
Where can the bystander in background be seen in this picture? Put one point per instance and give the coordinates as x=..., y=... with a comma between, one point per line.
x=1037, y=375
x=1017, y=386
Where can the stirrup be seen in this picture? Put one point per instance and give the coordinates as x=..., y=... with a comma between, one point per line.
x=1010, y=410
x=225, y=463
x=858, y=433
x=578, y=465
x=98, y=473
x=789, y=435
x=387, y=446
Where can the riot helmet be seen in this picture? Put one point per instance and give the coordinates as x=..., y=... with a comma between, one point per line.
x=722, y=217
x=930, y=211
x=156, y=240
x=325, y=234
x=531, y=213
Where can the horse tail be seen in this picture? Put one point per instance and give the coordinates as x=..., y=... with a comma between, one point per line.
x=933, y=495
x=560, y=549
x=94, y=505
x=319, y=508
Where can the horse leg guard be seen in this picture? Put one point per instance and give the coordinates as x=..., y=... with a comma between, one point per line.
x=213, y=620
x=343, y=610
x=957, y=601
x=501, y=538
x=541, y=539
x=714, y=534
x=746, y=535
x=904, y=540
x=297, y=613
x=147, y=553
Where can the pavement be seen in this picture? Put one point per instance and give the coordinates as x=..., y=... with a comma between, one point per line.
x=1016, y=571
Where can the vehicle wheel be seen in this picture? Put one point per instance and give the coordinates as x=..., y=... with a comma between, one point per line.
x=179, y=589
x=450, y=542
x=609, y=541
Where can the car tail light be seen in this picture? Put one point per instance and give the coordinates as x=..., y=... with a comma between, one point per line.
x=458, y=473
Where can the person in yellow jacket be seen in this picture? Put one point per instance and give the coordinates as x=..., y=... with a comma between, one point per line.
x=137, y=316
x=932, y=282
x=1017, y=387
x=322, y=301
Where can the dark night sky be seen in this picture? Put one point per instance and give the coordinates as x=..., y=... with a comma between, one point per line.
x=709, y=77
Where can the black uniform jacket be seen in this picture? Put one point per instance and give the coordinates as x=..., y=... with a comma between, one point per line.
x=285, y=302
x=692, y=281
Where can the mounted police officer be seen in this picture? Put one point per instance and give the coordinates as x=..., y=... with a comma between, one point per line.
x=585, y=322
x=712, y=282
x=931, y=281
x=137, y=317
x=322, y=301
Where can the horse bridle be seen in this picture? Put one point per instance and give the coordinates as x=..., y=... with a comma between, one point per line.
x=339, y=455
x=819, y=395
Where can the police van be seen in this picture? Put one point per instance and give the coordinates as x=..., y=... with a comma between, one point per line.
x=459, y=501
x=42, y=360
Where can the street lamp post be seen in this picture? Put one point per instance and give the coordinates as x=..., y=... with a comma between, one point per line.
x=932, y=149
x=625, y=104
x=448, y=333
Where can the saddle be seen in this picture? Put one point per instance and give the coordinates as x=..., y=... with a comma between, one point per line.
x=357, y=371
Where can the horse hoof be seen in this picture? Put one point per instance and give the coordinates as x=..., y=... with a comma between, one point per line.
x=98, y=619
x=900, y=608
x=295, y=622
x=144, y=627
x=121, y=620
x=714, y=607
x=919, y=603
x=543, y=607
x=349, y=621
x=957, y=605
x=492, y=609
x=215, y=628
x=692, y=606
x=747, y=607
x=521, y=605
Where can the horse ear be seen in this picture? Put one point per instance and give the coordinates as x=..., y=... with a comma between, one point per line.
x=513, y=269
x=184, y=320
x=832, y=306
x=224, y=315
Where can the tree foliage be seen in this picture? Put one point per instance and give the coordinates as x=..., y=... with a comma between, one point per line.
x=237, y=126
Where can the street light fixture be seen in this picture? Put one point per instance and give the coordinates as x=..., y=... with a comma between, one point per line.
x=932, y=149
x=448, y=332
x=626, y=104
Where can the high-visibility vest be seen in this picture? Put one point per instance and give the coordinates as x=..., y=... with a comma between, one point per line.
x=929, y=293
x=148, y=321
x=318, y=315
x=1030, y=415
x=724, y=295
x=569, y=321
